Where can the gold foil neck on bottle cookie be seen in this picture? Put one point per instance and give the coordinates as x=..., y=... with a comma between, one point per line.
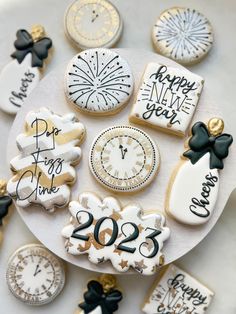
x=108, y=282
x=215, y=126
x=37, y=32
x=3, y=187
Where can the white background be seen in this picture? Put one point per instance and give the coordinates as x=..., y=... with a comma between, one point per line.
x=214, y=260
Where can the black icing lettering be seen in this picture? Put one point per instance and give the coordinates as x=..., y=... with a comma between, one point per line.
x=153, y=109
x=199, y=206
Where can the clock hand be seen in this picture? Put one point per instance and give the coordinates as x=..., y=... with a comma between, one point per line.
x=123, y=152
x=37, y=270
x=93, y=19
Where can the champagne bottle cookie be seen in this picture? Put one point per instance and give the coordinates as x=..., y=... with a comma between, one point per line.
x=5, y=202
x=194, y=184
x=128, y=236
x=19, y=77
x=101, y=297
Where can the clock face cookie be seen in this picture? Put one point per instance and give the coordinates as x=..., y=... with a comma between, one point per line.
x=167, y=98
x=93, y=23
x=35, y=275
x=126, y=236
x=183, y=34
x=98, y=81
x=124, y=159
x=177, y=292
x=44, y=169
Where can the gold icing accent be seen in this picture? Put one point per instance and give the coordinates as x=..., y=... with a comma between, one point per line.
x=161, y=260
x=3, y=187
x=215, y=126
x=108, y=282
x=37, y=32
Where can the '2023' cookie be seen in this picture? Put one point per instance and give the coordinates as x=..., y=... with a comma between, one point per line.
x=48, y=151
x=127, y=237
x=194, y=185
x=167, y=98
x=124, y=159
x=99, y=81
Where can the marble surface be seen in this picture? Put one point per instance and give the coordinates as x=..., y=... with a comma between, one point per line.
x=213, y=260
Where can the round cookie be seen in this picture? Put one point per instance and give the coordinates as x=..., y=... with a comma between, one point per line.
x=124, y=159
x=99, y=81
x=93, y=23
x=183, y=34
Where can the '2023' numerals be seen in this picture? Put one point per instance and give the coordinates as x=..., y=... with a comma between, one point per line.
x=122, y=246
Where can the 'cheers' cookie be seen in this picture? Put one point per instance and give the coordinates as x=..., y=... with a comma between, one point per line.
x=194, y=184
x=167, y=98
x=21, y=76
x=99, y=81
x=177, y=292
x=124, y=159
x=183, y=34
x=127, y=237
x=48, y=152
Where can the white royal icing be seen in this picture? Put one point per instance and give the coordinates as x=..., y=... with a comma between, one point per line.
x=167, y=98
x=124, y=159
x=17, y=80
x=48, y=151
x=128, y=237
x=178, y=292
x=99, y=81
x=193, y=192
x=98, y=310
x=183, y=34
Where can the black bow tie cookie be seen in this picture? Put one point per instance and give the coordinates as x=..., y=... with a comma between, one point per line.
x=194, y=185
x=19, y=77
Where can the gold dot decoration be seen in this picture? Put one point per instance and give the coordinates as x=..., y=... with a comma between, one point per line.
x=215, y=126
x=108, y=282
x=3, y=187
x=37, y=32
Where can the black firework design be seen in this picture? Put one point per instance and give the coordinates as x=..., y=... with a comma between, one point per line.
x=99, y=80
x=184, y=33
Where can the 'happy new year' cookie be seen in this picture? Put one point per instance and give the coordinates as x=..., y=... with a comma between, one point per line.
x=21, y=76
x=127, y=237
x=194, y=185
x=48, y=152
x=183, y=34
x=99, y=81
x=124, y=159
x=177, y=292
x=167, y=98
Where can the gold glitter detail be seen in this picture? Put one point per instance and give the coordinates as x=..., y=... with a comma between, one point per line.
x=108, y=282
x=3, y=187
x=215, y=126
x=161, y=260
x=37, y=32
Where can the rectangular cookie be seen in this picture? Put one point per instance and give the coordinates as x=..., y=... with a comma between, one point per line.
x=167, y=98
x=177, y=292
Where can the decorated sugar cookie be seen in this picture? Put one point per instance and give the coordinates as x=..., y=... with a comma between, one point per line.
x=34, y=275
x=93, y=23
x=21, y=76
x=5, y=202
x=48, y=152
x=124, y=159
x=99, y=81
x=101, y=297
x=167, y=98
x=183, y=34
x=104, y=231
x=177, y=292
x=194, y=185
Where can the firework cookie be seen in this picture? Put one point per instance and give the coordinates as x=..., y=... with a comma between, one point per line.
x=124, y=159
x=183, y=34
x=167, y=98
x=5, y=202
x=126, y=236
x=194, y=185
x=48, y=152
x=99, y=81
x=21, y=76
x=175, y=291
x=101, y=297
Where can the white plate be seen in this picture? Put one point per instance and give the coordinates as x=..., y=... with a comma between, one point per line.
x=47, y=227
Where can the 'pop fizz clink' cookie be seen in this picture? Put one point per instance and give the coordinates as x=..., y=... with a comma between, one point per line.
x=44, y=169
